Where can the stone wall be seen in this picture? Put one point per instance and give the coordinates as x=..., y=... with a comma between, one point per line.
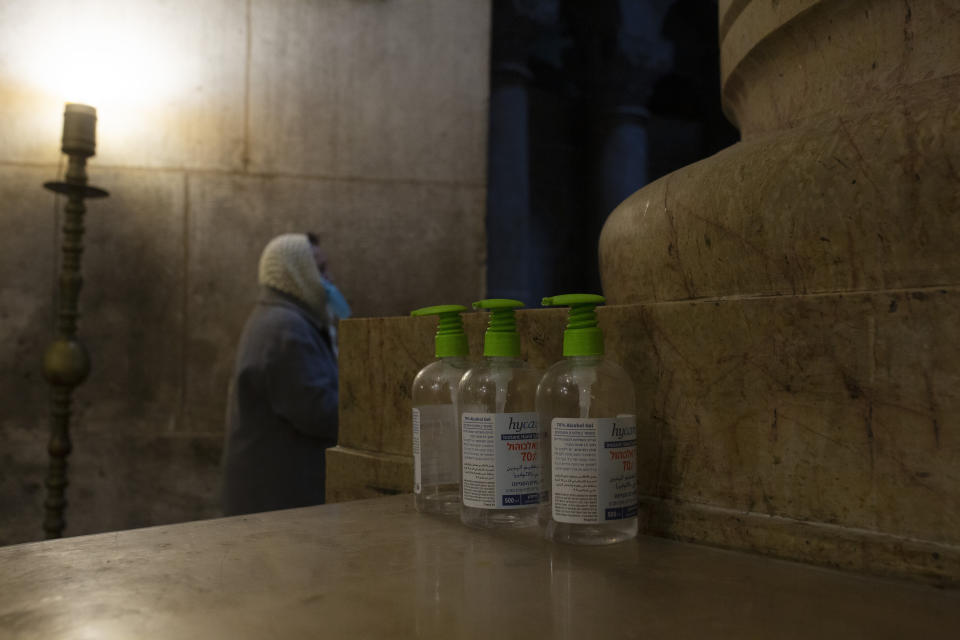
x=365, y=121
x=805, y=428
x=800, y=290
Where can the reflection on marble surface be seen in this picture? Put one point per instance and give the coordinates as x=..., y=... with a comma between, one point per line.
x=376, y=568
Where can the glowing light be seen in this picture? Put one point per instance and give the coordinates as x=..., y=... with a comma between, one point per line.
x=120, y=57
x=110, y=69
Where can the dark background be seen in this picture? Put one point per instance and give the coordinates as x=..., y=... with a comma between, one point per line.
x=589, y=101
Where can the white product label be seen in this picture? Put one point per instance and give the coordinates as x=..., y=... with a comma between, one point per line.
x=417, y=471
x=434, y=446
x=501, y=466
x=594, y=469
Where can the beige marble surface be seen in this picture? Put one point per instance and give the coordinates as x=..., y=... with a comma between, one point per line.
x=791, y=317
x=846, y=178
x=788, y=62
x=375, y=107
x=355, y=474
x=376, y=568
x=381, y=356
x=813, y=428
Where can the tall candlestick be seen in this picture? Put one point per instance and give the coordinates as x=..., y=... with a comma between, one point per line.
x=66, y=363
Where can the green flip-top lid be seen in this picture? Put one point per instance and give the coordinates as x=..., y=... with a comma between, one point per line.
x=501, y=338
x=451, y=339
x=582, y=337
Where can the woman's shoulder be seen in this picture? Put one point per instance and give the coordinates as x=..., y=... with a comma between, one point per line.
x=281, y=316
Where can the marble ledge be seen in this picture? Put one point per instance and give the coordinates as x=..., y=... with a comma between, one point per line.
x=816, y=428
x=376, y=568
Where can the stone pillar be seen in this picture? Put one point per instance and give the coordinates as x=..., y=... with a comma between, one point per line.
x=508, y=164
x=625, y=82
x=846, y=178
x=628, y=56
x=623, y=155
x=508, y=184
x=794, y=300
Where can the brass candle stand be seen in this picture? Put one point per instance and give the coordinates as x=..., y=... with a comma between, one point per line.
x=66, y=363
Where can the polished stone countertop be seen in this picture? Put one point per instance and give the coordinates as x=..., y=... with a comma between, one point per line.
x=376, y=568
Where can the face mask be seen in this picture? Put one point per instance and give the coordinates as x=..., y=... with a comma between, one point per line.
x=336, y=303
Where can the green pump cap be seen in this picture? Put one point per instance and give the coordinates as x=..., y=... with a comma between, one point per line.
x=450, y=340
x=582, y=336
x=501, y=338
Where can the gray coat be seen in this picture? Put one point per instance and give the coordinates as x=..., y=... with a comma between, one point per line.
x=282, y=409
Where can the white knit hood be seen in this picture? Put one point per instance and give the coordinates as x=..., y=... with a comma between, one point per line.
x=287, y=265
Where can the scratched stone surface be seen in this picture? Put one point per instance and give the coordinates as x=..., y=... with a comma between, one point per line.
x=375, y=106
x=789, y=61
x=793, y=319
x=847, y=178
x=812, y=427
x=378, y=569
x=867, y=202
x=354, y=474
x=381, y=356
x=836, y=409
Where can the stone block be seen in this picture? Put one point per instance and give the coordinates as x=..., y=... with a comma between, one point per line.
x=120, y=478
x=23, y=467
x=156, y=478
x=171, y=257
x=395, y=90
x=27, y=262
x=828, y=545
x=132, y=302
x=379, y=357
x=372, y=232
x=833, y=409
x=744, y=222
x=818, y=428
x=395, y=247
x=230, y=220
x=357, y=475
x=28, y=228
x=167, y=79
x=846, y=179
x=812, y=374
x=130, y=322
x=896, y=45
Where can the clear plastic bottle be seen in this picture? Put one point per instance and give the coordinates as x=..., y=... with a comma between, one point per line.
x=436, y=449
x=499, y=430
x=587, y=408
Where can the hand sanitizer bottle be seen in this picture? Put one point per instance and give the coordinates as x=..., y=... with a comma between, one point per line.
x=588, y=422
x=436, y=450
x=499, y=432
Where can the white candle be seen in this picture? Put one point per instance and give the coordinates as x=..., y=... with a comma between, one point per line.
x=79, y=129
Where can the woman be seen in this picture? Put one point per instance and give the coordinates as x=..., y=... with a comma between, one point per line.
x=282, y=404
